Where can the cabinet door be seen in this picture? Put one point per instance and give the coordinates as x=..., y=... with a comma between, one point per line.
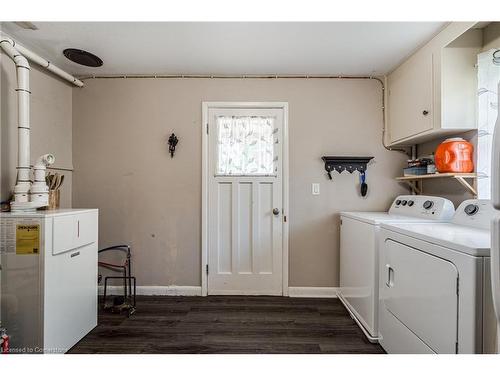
x=410, y=97
x=73, y=231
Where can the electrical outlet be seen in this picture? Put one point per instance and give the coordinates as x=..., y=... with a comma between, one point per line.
x=315, y=189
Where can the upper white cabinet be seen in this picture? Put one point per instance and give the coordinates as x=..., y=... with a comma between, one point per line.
x=410, y=98
x=432, y=93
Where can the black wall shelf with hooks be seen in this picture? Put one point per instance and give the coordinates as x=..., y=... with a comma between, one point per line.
x=345, y=163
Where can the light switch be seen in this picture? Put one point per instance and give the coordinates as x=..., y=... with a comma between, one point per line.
x=315, y=189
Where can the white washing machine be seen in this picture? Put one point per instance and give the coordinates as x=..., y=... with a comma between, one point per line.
x=435, y=293
x=359, y=252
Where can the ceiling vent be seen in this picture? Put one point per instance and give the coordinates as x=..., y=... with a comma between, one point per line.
x=82, y=57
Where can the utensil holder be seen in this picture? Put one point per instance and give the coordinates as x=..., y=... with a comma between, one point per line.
x=54, y=199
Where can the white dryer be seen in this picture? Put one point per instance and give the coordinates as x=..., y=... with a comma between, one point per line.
x=359, y=277
x=435, y=294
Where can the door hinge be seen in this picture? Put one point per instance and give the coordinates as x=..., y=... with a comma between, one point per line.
x=207, y=128
x=206, y=269
x=284, y=218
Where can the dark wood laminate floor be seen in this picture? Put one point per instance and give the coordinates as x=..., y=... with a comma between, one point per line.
x=229, y=324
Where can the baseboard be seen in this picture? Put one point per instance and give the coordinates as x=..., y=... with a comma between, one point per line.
x=156, y=290
x=179, y=290
x=244, y=293
x=312, y=292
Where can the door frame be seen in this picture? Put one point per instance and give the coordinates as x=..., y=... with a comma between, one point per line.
x=205, y=182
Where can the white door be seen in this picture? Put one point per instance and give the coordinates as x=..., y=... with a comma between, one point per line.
x=245, y=205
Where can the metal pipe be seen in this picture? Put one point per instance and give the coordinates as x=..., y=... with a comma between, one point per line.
x=228, y=76
x=414, y=152
x=263, y=76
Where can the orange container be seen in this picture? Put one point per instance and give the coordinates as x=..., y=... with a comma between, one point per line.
x=454, y=155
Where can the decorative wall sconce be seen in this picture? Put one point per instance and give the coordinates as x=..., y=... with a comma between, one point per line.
x=172, y=142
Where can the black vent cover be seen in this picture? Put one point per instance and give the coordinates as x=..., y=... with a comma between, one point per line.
x=82, y=57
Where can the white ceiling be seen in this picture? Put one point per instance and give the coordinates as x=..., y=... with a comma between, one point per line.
x=347, y=48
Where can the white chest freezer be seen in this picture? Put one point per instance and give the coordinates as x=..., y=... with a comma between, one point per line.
x=48, y=278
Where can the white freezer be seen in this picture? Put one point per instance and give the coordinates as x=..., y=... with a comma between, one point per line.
x=49, y=294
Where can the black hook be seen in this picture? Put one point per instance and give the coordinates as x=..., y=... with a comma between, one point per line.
x=172, y=142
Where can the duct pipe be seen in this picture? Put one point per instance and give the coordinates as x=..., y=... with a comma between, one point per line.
x=23, y=183
x=48, y=65
x=39, y=189
x=30, y=55
x=27, y=196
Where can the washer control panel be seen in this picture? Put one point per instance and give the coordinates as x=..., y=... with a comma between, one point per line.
x=476, y=213
x=432, y=208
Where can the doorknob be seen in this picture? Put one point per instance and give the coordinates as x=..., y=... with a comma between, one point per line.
x=276, y=211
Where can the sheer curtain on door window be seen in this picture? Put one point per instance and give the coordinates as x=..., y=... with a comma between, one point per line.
x=246, y=146
x=488, y=78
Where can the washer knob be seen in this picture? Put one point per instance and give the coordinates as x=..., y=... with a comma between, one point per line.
x=398, y=202
x=403, y=202
x=428, y=205
x=471, y=209
x=410, y=203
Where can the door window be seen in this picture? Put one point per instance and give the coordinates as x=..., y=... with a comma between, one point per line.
x=245, y=146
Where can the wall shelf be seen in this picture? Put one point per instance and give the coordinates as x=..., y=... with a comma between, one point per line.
x=414, y=181
x=345, y=163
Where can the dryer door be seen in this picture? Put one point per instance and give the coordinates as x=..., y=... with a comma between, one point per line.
x=421, y=292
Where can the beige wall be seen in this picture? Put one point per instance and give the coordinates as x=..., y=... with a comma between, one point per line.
x=153, y=202
x=51, y=124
